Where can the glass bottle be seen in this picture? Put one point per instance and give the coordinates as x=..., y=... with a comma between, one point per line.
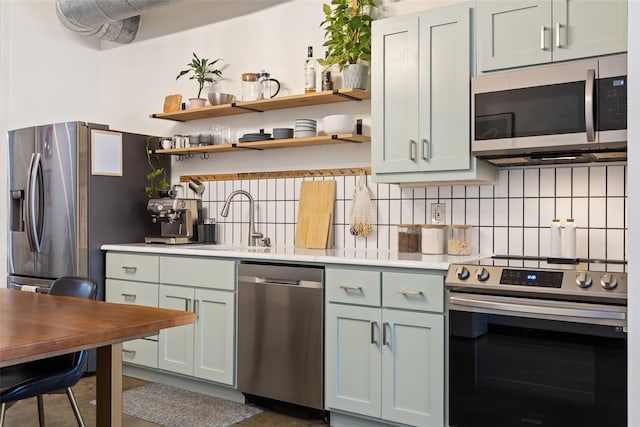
x=309, y=72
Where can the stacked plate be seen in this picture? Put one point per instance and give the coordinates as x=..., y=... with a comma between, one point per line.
x=305, y=128
x=250, y=137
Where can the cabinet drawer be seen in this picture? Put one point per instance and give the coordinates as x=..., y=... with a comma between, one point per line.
x=352, y=286
x=141, y=352
x=125, y=292
x=413, y=291
x=198, y=272
x=127, y=266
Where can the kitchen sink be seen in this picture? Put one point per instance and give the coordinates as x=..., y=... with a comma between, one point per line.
x=230, y=248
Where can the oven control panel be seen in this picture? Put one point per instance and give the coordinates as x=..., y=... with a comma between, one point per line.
x=577, y=283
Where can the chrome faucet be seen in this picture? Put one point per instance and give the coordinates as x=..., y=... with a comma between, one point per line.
x=253, y=235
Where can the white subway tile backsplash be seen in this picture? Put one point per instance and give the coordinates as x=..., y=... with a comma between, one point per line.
x=597, y=212
x=547, y=182
x=531, y=214
x=563, y=182
x=501, y=212
x=615, y=181
x=486, y=212
x=597, y=181
x=516, y=212
x=511, y=217
x=580, y=181
x=516, y=182
x=457, y=209
x=531, y=182
x=615, y=212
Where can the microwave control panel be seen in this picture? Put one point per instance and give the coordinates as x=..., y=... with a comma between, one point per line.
x=612, y=103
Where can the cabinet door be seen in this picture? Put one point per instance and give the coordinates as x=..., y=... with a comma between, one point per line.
x=394, y=94
x=352, y=357
x=214, y=336
x=413, y=368
x=588, y=28
x=176, y=344
x=513, y=33
x=445, y=70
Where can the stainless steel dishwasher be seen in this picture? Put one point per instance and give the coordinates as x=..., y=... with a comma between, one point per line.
x=281, y=333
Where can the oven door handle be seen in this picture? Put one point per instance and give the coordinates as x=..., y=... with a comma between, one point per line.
x=513, y=307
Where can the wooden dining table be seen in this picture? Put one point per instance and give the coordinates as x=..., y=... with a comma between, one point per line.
x=36, y=326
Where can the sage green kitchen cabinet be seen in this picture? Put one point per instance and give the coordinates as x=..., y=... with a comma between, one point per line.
x=524, y=32
x=420, y=73
x=205, y=349
x=384, y=353
x=133, y=279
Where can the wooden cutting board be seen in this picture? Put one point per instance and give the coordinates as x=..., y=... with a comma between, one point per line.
x=315, y=214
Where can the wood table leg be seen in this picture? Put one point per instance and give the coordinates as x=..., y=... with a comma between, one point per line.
x=109, y=386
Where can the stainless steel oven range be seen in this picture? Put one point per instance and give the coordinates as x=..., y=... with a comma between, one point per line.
x=537, y=344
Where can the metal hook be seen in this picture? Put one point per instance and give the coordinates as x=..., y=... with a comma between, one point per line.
x=180, y=157
x=204, y=156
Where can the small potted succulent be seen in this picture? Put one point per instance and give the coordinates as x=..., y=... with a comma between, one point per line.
x=203, y=71
x=347, y=34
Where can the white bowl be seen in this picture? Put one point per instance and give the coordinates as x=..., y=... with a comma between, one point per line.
x=339, y=123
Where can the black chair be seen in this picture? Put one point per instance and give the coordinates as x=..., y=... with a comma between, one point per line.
x=33, y=379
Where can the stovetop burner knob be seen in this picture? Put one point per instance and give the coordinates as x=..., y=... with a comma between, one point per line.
x=583, y=280
x=462, y=272
x=482, y=274
x=608, y=281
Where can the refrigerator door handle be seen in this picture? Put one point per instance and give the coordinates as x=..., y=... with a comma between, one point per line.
x=35, y=205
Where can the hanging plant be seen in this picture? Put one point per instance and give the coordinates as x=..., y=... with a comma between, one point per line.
x=157, y=177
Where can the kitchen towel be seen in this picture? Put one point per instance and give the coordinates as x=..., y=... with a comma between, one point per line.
x=28, y=288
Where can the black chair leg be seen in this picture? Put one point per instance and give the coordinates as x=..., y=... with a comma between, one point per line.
x=40, y=411
x=74, y=406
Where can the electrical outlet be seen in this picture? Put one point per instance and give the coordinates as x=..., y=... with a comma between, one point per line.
x=438, y=211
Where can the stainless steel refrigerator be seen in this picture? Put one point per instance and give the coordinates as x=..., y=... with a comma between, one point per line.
x=62, y=209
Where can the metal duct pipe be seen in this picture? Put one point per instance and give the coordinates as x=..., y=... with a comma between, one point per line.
x=113, y=20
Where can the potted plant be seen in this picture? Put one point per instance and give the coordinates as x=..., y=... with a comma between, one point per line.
x=204, y=71
x=157, y=177
x=348, y=39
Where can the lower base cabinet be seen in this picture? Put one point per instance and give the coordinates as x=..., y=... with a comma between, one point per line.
x=203, y=349
x=382, y=362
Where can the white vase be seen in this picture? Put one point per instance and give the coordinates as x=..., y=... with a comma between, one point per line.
x=355, y=76
x=197, y=102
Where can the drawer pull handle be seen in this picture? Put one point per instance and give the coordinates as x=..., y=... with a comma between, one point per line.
x=407, y=293
x=373, y=332
x=348, y=288
x=131, y=297
x=128, y=269
x=131, y=353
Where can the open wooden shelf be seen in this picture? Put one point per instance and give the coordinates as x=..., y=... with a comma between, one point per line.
x=293, y=101
x=342, y=138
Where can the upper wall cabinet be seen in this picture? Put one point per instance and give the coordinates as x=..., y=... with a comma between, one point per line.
x=421, y=68
x=517, y=33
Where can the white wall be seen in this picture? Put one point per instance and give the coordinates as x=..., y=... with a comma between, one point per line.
x=634, y=212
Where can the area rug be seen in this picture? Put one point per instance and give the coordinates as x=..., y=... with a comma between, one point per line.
x=173, y=407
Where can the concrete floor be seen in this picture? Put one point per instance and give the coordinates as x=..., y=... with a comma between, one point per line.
x=59, y=413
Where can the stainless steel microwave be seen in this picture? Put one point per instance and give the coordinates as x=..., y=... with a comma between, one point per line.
x=561, y=113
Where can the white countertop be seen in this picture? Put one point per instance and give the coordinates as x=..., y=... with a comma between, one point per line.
x=364, y=257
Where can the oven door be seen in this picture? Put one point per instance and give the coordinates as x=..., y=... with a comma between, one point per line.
x=524, y=362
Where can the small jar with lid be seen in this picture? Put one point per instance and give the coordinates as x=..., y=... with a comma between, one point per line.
x=249, y=86
x=408, y=238
x=434, y=238
x=459, y=239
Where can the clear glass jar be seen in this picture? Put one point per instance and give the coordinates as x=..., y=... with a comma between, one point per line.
x=459, y=239
x=249, y=86
x=434, y=237
x=408, y=238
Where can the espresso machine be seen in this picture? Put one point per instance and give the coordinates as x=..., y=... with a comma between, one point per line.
x=178, y=218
